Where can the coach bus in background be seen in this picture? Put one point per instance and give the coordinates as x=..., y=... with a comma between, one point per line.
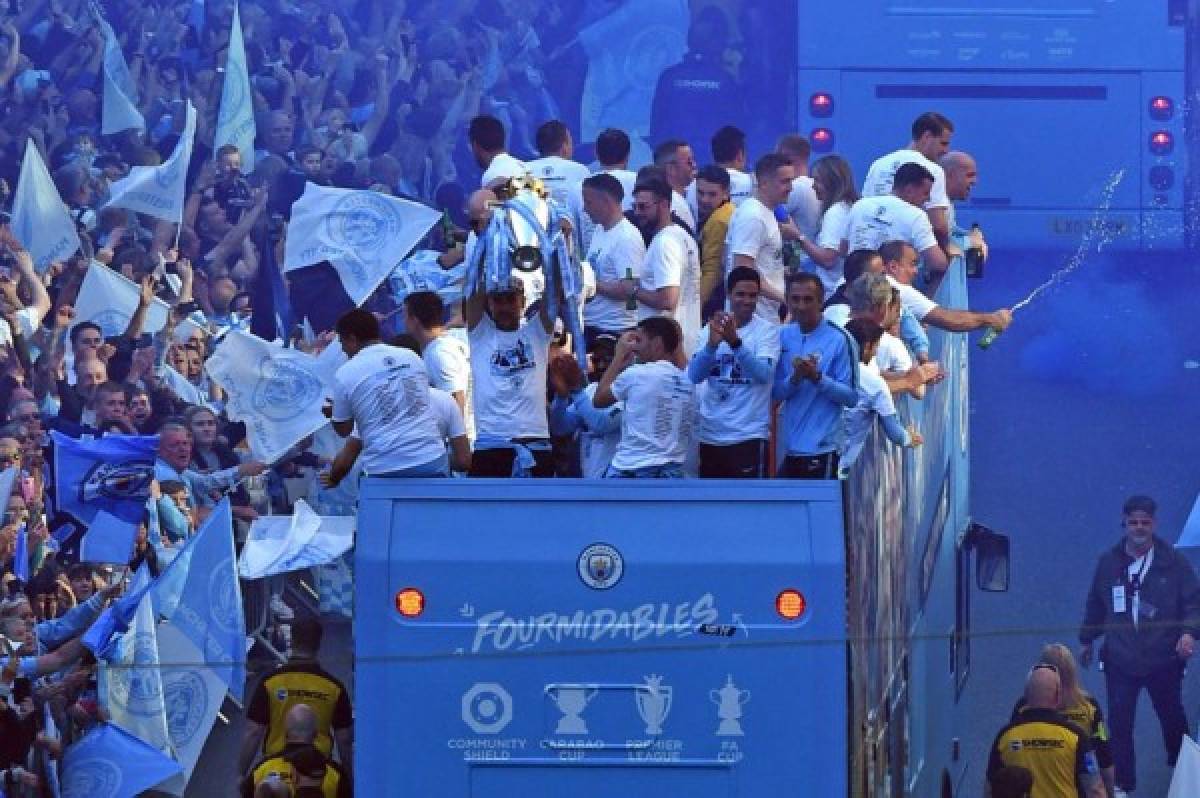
x=1053, y=97
x=649, y=638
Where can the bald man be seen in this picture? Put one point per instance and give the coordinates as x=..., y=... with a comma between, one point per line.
x=961, y=176
x=1057, y=752
x=300, y=766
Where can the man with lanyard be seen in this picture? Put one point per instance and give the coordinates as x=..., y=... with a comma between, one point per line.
x=1057, y=752
x=1145, y=602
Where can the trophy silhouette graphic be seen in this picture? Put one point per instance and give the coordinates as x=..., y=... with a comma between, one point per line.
x=654, y=704
x=572, y=701
x=729, y=700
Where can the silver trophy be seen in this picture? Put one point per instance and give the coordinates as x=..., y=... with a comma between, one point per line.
x=654, y=704
x=572, y=701
x=729, y=700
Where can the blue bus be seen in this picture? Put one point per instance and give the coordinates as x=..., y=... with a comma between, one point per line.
x=1053, y=97
x=678, y=637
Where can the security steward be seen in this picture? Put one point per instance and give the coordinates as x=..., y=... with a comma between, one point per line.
x=1145, y=602
x=1055, y=751
x=300, y=766
x=301, y=680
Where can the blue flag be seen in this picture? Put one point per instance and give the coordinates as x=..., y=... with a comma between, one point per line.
x=105, y=631
x=108, y=540
x=112, y=474
x=21, y=556
x=200, y=596
x=111, y=763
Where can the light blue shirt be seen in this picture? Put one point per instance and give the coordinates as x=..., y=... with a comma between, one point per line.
x=811, y=420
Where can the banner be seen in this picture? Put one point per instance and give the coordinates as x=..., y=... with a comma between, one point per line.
x=159, y=191
x=108, y=298
x=364, y=234
x=112, y=474
x=278, y=544
x=235, y=121
x=111, y=763
x=40, y=220
x=119, y=109
x=277, y=392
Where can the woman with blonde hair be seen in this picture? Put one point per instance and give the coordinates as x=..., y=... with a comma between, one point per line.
x=1078, y=706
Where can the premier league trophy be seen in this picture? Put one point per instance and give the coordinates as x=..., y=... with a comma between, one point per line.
x=654, y=704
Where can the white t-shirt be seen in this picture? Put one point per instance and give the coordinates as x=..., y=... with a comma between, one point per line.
x=680, y=207
x=614, y=254
x=913, y=300
x=741, y=188
x=656, y=424
x=874, y=399
x=503, y=165
x=509, y=367
x=883, y=172
x=835, y=228
x=877, y=220
x=837, y=314
x=596, y=451
x=449, y=365
x=803, y=206
x=29, y=319
x=449, y=417
x=384, y=390
x=735, y=408
x=892, y=355
x=754, y=232
x=674, y=259
x=560, y=176
x=583, y=222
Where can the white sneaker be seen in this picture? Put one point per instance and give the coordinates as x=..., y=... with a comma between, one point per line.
x=281, y=610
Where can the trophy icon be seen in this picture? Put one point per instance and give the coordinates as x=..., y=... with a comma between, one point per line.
x=572, y=701
x=729, y=700
x=654, y=704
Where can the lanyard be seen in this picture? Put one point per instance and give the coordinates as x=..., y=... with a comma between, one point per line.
x=1135, y=581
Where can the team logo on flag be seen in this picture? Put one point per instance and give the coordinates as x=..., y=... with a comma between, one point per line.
x=363, y=220
x=135, y=686
x=284, y=390
x=111, y=322
x=186, y=698
x=97, y=777
x=222, y=596
x=128, y=480
x=600, y=566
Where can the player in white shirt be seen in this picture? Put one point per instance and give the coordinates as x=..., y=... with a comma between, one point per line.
x=931, y=134
x=898, y=217
x=446, y=357
x=900, y=262
x=834, y=186
x=559, y=174
x=486, y=137
x=669, y=281
x=612, y=152
x=735, y=359
x=802, y=203
x=729, y=153
x=509, y=355
x=675, y=158
x=647, y=375
x=874, y=401
x=616, y=252
x=755, y=238
x=873, y=297
x=382, y=394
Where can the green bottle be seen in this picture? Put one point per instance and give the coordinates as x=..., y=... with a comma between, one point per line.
x=631, y=302
x=989, y=337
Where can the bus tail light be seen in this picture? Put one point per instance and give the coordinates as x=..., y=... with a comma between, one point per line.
x=1162, y=108
x=410, y=602
x=1161, y=142
x=821, y=140
x=1162, y=177
x=790, y=604
x=820, y=105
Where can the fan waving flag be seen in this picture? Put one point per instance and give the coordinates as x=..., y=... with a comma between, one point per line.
x=364, y=234
x=111, y=763
x=110, y=474
x=235, y=121
x=119, y=110
x=159, y=191
x=278, y=544
x=40, y=220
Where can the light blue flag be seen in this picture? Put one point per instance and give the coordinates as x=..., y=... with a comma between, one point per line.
x=102, y=637
x=235, y=122
x=40, y=220
x=108, y=540
x=277, y=544
x=119, y=110
x=159, y=191
x=111, y=763
x=422, y=272
x=199, y=595
x=112, y=474
x=21, y=556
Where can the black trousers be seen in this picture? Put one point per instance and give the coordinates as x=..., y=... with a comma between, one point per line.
x=745, y=460
x=809, y=466
x=1165, y=688
x=499, y=463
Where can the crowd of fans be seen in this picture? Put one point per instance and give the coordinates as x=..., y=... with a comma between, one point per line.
x=741, y=321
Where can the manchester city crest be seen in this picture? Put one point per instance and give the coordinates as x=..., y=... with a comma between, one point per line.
x=284, y=390
x=223, y=597
x=600, y=566
x=118, y=481
x=135, y=685
x=185, y=696
x=363, y=221
x=97, y=778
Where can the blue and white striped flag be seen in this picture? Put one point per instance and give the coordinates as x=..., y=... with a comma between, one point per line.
x=159, y=191
x=111, y=763
x=40, y=220
x=119, y=110
x=235, y=121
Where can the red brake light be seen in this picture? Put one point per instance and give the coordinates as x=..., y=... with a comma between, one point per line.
x=1162, y=108
x=821, y=139
x=1161, y=142
x=410, y=602
x=820, y=105
x=790, y=604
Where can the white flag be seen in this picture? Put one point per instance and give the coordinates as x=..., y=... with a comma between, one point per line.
x=159, y=191
x=235, y=122
x=192, y=696
x=278, y=544
x=109, y=299
x=40, y=220
x=131, y=688
x=277, y=392
x=119, y=110
x=364, y=234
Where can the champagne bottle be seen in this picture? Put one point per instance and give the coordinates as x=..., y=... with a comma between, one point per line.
x=989, y=337
x=631, y=302
x=974, y=253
